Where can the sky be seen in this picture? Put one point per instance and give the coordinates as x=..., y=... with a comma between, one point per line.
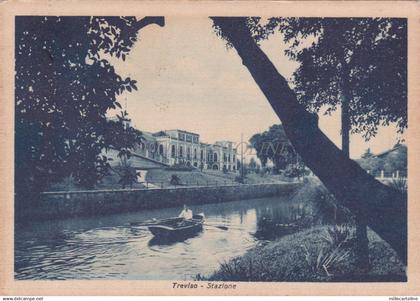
x=188, y=79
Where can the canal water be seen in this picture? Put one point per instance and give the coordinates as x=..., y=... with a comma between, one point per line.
x=107, y=247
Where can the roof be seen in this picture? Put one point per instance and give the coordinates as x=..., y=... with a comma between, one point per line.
x=181, y=131
x=148, y=136
x=395, y=148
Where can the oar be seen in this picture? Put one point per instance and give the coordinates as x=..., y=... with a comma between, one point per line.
x=217, y=226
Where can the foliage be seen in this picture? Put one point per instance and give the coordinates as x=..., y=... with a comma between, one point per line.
x=128, y=175
x=326, y=259
x=400, y=184
x=295, y=170
x=389, y=163
x=64, y=87
x=367, y=154
x=360, y=60
x=273, y=145
x=337, y=235
x=120, y=134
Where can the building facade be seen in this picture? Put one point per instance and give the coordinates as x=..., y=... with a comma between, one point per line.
x=179, y=147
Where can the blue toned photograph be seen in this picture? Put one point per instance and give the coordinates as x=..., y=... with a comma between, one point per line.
x=205, y=149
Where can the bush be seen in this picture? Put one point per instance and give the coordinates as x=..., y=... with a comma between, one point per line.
x=240, y=179
x=325, y=260
x=400, y=184
x=128, y=176
x=338, y=235
x=175, y=180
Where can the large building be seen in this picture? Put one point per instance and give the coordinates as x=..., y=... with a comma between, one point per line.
x=174, y=147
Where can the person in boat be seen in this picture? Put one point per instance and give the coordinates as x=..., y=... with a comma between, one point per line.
x=186, y=213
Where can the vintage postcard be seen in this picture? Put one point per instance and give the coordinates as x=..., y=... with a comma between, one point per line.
x=209, y=148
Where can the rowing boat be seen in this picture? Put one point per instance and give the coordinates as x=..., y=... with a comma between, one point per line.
x=176, y=228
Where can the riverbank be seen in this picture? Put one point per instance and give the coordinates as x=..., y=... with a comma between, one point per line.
x=311, y=255
x=318, y=251
x=65, y=204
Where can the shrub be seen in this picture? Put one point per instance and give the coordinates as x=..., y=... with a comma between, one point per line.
x=326, y=259
x=175, y=180
x=240, y=179
x=128, y=175
x=337, y=235
x=400, y=184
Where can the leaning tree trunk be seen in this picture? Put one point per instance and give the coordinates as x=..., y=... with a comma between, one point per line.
x=377, y=205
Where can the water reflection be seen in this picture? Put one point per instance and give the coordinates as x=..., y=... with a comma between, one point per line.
x=274, y=222
x=108, y=247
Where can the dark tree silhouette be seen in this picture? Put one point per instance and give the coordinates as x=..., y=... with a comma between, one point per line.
x=377, y=205
x=64, y=87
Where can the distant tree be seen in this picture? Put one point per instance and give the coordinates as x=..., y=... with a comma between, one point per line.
x=64, y=87
x=123, y=137
x=257, y=142
x=252, y=165
x=273, y=145
x=120, y=134
x=367, y=154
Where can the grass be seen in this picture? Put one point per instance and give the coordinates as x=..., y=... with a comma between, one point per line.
x=205, y=178
x=162, y=178
x=108, y=182
x=320, y=253
x=309, y=256
x=187, y=178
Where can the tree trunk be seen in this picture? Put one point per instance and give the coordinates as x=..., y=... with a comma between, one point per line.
x=362, y=242
x=377, y=205
x=345, y=126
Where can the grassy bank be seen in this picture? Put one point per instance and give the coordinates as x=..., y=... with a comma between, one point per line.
x=310, y=255
x=162, y=177
x=319, y=252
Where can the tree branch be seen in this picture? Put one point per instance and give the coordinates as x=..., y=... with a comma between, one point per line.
x=150, y=20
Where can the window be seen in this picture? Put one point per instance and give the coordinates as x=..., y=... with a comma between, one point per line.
x=202, y=155
x=195, y=154
x=181, y=152
x=224, y=157
x=195, y=139
x=161, y=149
x=188, y=153
x=215, y=157
x=181, y=137
x=173, y=151
x=189, y=138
